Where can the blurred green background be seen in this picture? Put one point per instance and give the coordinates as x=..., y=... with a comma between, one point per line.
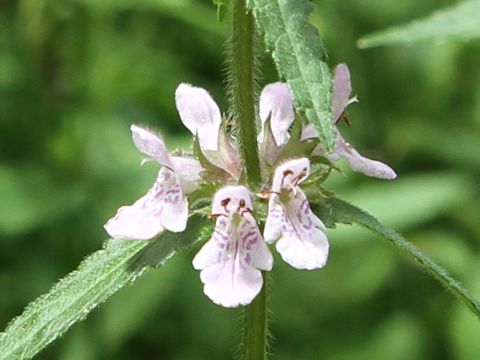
x=75, y=74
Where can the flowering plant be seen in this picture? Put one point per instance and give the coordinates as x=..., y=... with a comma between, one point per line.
x=231, y=261
x=251, y=178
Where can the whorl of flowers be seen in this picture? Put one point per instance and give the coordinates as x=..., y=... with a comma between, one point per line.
x=231, y=262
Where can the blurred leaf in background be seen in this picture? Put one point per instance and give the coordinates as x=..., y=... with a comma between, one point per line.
x=75, y=74
x=459, y=22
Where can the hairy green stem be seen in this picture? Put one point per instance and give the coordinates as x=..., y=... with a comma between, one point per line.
x=256, y=326
x=242, y=88
x=243, y=96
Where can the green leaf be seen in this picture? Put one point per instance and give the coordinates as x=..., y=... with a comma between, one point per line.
x=460, y=22
x=198, y=230
x=295, y=147
x=298, y=52
x=334, y=210
x=98, y=277
x=214, y=162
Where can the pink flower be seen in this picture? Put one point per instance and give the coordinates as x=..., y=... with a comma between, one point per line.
x=230, y=262
x=297, y=231
x=276, y=102
x=165, y=205
x=201, y=115
x=341, y=99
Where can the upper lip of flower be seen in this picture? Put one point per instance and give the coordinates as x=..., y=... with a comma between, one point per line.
x=276, y=102
x=199, y=113
x=341, y=99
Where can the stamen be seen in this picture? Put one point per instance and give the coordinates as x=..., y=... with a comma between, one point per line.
x=266, y=194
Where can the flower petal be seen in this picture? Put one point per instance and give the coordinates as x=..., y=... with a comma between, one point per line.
x=342, y=89
x=162, y=207
x=290, y=174
x=298, y=231
x=188, y=171
x=151, y=144
x=275, y=220
x=356, y=161
x=175, y=207
x=225, y=285
x=276, y=101
x=256, y=250
x=362, y=164
x=199, y=113
x=131, y=222
x=230, y=262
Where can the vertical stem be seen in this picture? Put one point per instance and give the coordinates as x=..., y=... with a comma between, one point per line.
x=243, y=95
x=242, y=87
x=256, y=325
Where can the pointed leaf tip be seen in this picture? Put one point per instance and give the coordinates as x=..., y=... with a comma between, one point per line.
x=298, y=51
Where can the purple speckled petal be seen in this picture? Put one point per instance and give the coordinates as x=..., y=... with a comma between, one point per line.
x=299, y=233
x=275, y=220
x=255, y=249
x=230, y=262
x=214, y=251
x=188, y=172
x=290, y=222
x=164, y=206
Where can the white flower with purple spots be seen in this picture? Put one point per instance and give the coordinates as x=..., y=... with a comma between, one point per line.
x=341, y=99
x=297, y=231
x=165, y=205
x=230, y=262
